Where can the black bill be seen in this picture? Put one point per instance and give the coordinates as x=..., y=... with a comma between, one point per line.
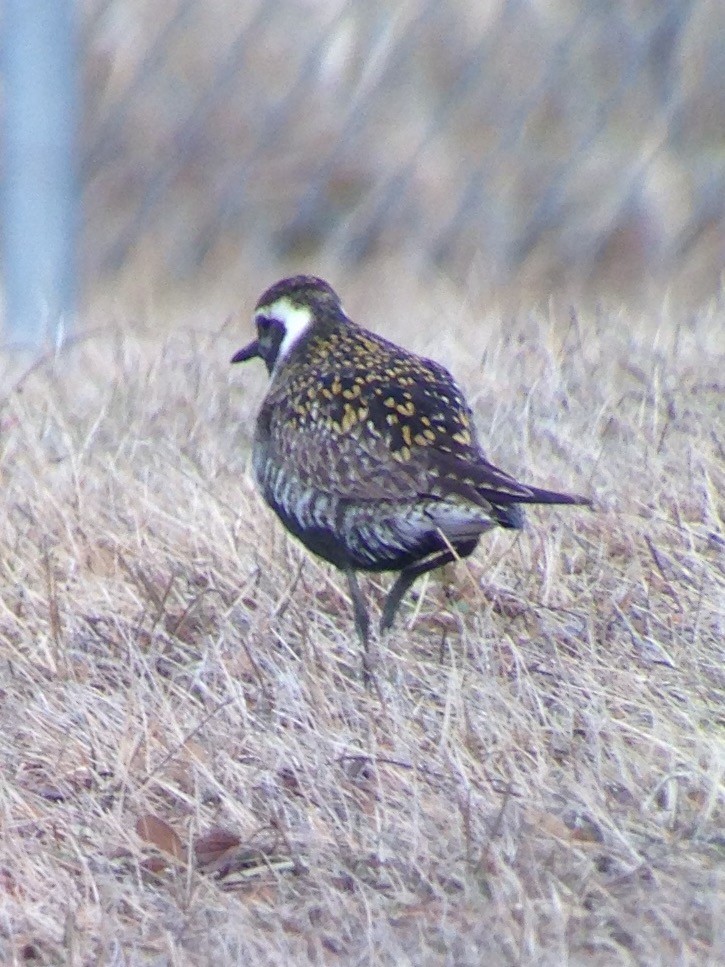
x=249, y=352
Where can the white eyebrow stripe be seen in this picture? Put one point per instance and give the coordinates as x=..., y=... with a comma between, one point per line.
x=295, y=319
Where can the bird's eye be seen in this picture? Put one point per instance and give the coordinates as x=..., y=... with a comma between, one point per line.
x=263, y=324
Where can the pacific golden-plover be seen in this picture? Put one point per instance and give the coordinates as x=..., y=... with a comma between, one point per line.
x=366, y=452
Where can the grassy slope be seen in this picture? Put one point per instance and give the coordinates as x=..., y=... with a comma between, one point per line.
x=539, y=774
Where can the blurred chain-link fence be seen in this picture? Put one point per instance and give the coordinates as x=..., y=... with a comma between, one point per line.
x=531, y=140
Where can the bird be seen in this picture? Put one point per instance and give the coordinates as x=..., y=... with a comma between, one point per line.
x=367, y=452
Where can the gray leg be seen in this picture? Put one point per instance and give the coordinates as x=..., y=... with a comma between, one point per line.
x=410, y=574
x=362, y=619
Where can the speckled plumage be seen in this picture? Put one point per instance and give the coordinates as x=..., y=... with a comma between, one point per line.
x=367, y=452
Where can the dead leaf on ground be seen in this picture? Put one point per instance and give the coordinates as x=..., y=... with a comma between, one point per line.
x=221, y=853
x=214, y=850
x=157, y=832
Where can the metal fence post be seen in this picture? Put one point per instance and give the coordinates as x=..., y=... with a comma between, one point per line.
x=39, y=194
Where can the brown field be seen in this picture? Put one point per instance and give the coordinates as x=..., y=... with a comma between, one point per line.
x=192, y=769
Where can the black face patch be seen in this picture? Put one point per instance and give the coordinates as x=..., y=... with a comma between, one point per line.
x=271, y=332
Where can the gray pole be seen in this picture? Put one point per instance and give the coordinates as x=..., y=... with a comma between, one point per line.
x=39, y=193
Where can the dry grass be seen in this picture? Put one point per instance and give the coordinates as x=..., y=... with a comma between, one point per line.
x=192, y=769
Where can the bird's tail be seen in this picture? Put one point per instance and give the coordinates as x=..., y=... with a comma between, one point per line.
x=536, y=495
x=483, y=481
x=510, y=513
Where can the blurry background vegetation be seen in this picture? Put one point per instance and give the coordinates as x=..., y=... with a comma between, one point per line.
x=510, y=145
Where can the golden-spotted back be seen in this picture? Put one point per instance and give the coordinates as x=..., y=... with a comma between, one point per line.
x=367, y=452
